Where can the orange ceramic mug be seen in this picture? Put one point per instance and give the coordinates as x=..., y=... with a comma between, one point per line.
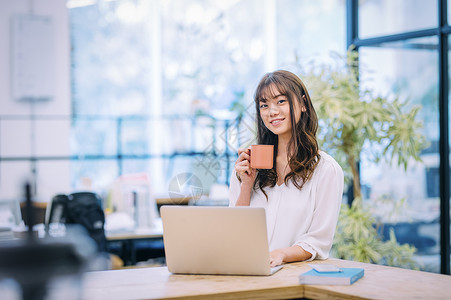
x=262, y=156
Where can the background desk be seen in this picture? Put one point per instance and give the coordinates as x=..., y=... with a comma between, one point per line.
x=128, y=240
x=379, y=282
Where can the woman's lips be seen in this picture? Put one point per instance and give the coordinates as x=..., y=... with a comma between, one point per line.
x=276, y=122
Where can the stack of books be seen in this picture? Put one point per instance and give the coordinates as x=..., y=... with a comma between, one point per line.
x=331, y=275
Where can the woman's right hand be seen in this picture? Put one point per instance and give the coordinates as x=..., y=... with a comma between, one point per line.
x=243, y=168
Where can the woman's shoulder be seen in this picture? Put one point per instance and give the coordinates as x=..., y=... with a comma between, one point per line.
x=328, y=162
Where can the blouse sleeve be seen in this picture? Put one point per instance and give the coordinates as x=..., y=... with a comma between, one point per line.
x=234, y=189
x=329, y=191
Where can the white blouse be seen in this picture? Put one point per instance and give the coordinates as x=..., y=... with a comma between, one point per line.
x=306, y=217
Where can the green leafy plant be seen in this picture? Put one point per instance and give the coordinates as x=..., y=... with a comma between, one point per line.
x=357, y=238
x=352, y=117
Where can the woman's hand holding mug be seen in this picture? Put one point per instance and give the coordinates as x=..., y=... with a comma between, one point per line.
x=246, y=167
x=243, y=169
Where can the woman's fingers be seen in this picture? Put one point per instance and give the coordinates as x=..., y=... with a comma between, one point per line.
x=245, y=151
x=275, y=258
x=240, y=150
x=243, y=154
x=242, y=165
x=243, y=157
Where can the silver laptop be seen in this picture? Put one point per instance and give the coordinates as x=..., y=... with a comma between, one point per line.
x=216, y=240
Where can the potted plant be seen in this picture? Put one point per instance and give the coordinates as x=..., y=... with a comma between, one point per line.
x=350, y=117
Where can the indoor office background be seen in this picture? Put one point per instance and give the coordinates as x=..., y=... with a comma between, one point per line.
x=164, y=87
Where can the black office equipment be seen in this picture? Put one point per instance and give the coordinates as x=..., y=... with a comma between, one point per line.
x=33, y=262
x=83, y=208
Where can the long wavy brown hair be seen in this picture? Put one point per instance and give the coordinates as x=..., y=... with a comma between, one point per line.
x=303, y=152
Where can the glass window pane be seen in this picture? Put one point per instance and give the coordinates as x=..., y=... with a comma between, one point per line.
x=384, y=17
x=203, y=135
x=178, y=136
x=158, y=183
x=94, y=136
x=409, y=69
x=132, y=166
x=309, y=28
x=212, y=54
x=135, y=136
x=97, y=174
x=226, y=165
x=182, y=167
x=111, y=67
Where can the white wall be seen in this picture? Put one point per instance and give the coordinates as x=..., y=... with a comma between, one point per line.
x=48, y=134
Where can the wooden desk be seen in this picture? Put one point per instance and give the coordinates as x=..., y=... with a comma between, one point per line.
x=379, y=282
x=172, y=201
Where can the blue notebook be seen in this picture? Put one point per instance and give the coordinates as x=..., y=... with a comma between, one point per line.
x=346, y=276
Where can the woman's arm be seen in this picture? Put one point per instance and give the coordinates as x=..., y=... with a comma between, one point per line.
x=244, y=198
x=290, y=254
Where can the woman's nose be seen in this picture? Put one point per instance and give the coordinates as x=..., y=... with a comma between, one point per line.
x=273, y=110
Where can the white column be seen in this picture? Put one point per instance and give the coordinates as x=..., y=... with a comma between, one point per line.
x=156, y=128
x=270, y=35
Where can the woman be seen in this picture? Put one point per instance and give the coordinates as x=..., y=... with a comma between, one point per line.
x=302, y=193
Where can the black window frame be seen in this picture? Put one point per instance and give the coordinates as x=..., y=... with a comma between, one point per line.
x=441, y=31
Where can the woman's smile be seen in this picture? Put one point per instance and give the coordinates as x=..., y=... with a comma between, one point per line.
x=277, y=122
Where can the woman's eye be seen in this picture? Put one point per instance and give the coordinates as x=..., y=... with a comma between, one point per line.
x=282, y=101
x=263, y=105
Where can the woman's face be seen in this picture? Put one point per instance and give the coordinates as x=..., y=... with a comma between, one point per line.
x=275, y=112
